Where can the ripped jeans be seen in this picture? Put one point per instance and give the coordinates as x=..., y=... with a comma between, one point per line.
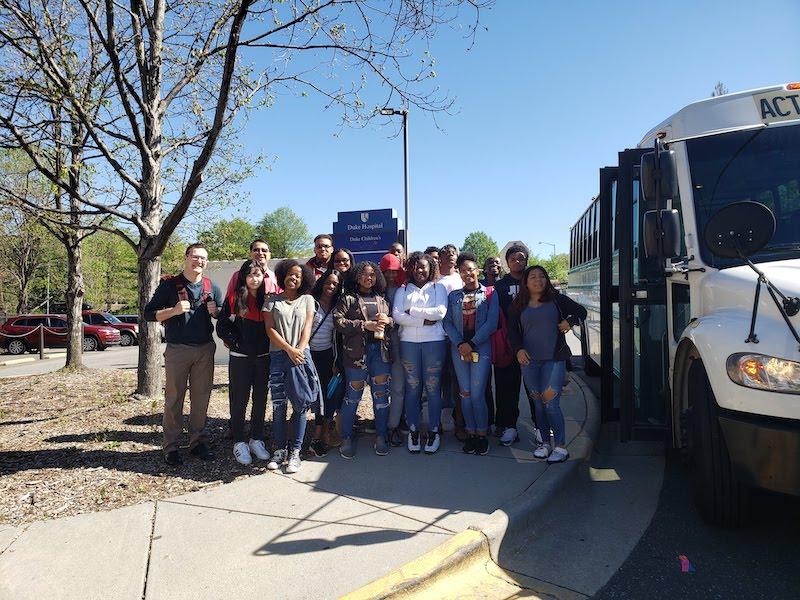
x=545, y=378
x=356, y=378
x=472, y=380
x=288, y=383
x=422, y=362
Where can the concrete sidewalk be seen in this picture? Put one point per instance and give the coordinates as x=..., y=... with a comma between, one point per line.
x=331, y=528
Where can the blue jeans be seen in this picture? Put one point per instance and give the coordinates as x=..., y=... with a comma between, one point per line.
x=423, y=358
x=281, y=368
x=547, y=377
x=356, y=378
x=472, y=379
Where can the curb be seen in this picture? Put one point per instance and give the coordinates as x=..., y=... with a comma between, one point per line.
x=520, y=513
x=483, y=541
x=456, y=553
x=28, y=359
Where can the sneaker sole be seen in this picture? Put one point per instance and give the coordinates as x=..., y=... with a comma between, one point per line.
x=481, y=453
x=507, y=444
x=346, y=457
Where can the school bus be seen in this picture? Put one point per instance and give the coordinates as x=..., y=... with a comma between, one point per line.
x=688, y=261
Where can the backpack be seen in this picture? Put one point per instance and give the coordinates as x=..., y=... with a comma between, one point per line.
x=502, y=354
x=179, y=281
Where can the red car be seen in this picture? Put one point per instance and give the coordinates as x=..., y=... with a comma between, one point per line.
x=25, y=332
x=129, y=332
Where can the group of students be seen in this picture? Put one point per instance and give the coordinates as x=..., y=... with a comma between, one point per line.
x=422, y=327
x=315, y=334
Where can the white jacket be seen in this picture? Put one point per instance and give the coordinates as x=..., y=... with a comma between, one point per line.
x=413, y=306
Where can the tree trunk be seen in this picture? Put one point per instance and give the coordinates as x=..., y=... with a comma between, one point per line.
x=22, y=299
x=148, y=383
x=75, y=291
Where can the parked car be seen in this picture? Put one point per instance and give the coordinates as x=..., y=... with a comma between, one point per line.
x=25, y=329
x=129, y=332
x=135, y=319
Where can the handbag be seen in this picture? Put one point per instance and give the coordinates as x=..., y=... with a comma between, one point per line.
x=335, y=387
x=502, y=355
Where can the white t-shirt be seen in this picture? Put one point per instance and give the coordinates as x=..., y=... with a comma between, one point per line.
x=451, y=282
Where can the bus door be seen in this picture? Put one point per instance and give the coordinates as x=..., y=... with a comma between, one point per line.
x=609, y=297
x=643, y=340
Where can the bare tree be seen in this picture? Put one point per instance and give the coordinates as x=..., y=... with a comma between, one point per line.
x=720, y=89
x=177, y=81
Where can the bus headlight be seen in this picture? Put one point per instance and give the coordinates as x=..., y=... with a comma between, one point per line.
x=764, y=372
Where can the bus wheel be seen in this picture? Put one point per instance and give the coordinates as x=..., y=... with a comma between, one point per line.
x=720, y=499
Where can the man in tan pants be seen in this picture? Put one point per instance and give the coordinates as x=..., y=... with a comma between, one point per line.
x=185, y=304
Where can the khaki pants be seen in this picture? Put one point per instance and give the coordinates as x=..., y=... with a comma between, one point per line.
x=192, y=367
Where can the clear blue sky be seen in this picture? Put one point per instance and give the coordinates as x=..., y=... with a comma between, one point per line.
x=546, y=96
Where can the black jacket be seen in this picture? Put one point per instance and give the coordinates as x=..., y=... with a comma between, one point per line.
x=241, y=335
x=568, y=310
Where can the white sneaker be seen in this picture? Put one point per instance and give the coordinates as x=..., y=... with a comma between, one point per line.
x=447, y=420
x=277, y=459
x=258, y=448
x=509, y=436
x=413, y=441
x=542, y=451
x=558, y=455
x=433, y=442
x=242, y=453
x=294, y=462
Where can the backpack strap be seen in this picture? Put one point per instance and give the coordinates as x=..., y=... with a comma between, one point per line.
x=180, y=287
x=207, y=290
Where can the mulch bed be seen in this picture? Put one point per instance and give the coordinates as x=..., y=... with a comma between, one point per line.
x=75, y=442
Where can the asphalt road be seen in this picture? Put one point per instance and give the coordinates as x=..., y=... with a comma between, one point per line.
x=760, y=560
x=115, y=357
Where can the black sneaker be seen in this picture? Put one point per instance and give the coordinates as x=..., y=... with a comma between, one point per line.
x=319, y=448
x=469, y=445
x=202, y=452
x=396, y=437
x=481, y=446
x=173, y=458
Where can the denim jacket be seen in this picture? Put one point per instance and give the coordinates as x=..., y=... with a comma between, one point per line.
x=486, y=316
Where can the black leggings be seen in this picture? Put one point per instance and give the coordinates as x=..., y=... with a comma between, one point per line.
x=246, y=373
x=323, y=361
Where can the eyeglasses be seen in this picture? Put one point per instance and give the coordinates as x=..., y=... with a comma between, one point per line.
x=323, y=246
x=201, y=259
x=344, y=260
x=261, y=250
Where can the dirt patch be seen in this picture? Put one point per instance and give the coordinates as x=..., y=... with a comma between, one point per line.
x=73, y=443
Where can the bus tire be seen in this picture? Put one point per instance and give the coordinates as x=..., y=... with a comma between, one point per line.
x=720, y=499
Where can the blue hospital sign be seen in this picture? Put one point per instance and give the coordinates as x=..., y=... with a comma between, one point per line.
x=366, y=233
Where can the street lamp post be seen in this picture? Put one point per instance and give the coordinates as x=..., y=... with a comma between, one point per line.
x=388, y=112
x=552, y=245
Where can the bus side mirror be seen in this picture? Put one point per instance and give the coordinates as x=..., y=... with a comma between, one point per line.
x=650, y=173
x=668, y=236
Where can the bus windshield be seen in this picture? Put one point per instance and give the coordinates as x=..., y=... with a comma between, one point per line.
x=761, y=165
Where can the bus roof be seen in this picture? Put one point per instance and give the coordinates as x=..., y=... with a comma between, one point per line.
x=714, y=115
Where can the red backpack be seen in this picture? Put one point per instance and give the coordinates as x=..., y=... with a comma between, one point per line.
x=502, y=354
